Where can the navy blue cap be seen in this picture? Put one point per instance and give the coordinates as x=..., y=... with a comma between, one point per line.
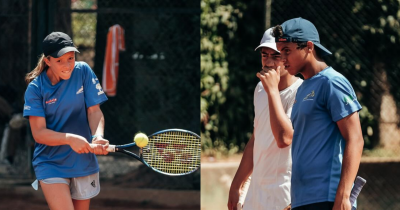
x=57, y=44
x=301, y=30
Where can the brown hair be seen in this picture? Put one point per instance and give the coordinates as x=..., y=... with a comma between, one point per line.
x=277, y=31
x=41, y=65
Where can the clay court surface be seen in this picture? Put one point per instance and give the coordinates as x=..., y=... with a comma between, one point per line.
x=380, y=193
x=24, y=197
x=125, y=184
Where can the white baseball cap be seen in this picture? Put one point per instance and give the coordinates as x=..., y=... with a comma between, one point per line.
x=268, y=40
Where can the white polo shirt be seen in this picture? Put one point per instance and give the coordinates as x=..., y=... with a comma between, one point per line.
x=270, y=183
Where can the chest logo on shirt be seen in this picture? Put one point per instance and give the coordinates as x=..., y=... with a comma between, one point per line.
x=260, y=88
x=98, y=87
x=80, y=90
x=51, y=101
x=349, y=99
x=309, y=97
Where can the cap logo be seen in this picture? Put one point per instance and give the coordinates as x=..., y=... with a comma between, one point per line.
x=287, y=39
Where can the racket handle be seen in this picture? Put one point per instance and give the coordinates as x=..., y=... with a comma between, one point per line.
x=358, y=185
x=242, y=196
x=111, y=148
x=239, y=206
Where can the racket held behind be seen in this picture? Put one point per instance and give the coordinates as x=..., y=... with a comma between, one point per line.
x=358, y=185
x=243, y=194
x=355, y=192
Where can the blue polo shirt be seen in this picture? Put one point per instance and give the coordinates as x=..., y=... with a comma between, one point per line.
x=64, y=106
x=318, y=146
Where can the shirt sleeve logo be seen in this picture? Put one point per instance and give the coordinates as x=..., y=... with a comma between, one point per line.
x=94, y=80
x=349, y=99
x=98, y=87
x=26, y=107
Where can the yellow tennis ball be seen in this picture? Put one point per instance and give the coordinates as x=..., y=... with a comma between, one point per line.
x=141, y=140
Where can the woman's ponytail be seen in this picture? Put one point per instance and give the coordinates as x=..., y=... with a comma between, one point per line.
x=37, y=71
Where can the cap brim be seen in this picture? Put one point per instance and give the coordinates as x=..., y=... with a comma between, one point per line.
x=61, y=52
x=322, y=50
x=269, y=45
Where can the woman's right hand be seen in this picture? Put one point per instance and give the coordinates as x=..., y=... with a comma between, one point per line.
x=78, y=143
x=233, y=198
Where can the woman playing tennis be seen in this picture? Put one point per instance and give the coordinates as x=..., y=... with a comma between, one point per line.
x=62, y=103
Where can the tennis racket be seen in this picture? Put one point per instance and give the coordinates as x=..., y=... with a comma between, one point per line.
x=355, y=192
x=242, y=196
x=358, y=185
x=172, y=152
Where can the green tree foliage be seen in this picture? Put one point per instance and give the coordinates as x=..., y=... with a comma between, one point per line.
x=381, y=32
x=368, y=39
x=84, y=24
x=362, y=35
x=228, y=68
x=244, y=63
x=214, y=67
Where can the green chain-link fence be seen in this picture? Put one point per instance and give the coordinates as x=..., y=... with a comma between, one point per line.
x=158, y=72
x=364, y=39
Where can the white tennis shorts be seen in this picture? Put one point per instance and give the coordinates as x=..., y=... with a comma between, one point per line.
x=82, y=188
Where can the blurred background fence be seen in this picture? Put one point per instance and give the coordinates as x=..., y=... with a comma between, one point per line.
x=364, y=37
x=158, y=72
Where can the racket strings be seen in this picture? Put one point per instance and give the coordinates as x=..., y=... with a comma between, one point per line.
x=173, y=152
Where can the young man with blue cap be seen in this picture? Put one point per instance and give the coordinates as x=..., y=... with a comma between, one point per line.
x=327, y=139
x=267, y=154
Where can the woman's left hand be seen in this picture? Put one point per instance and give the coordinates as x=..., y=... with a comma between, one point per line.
x=100, y=150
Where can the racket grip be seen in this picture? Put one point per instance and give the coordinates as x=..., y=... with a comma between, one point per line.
x=111, y=148
x=239, y=206
x=358, y=185
x=242, y=196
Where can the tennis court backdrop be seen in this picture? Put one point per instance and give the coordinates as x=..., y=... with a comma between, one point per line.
x=364, y=39
x=158, y=83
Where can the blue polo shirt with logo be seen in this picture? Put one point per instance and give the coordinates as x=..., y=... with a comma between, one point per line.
x=64, y=106
x=318, y=146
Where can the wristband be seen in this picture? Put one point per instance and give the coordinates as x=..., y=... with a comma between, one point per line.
x=94, y=136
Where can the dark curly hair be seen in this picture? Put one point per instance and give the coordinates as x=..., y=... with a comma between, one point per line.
x=277, y=31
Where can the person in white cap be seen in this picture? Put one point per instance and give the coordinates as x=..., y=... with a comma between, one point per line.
x=267, y=156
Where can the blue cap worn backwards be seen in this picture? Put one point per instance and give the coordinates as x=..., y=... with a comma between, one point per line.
x=301, y=30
